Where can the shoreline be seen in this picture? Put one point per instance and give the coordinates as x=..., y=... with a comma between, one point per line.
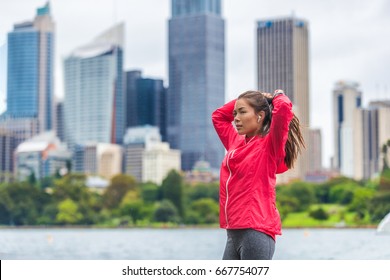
x=171, y=227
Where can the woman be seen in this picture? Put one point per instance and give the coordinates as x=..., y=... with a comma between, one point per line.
x=266, y=141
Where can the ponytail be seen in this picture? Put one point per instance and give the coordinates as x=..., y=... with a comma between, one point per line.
x=295, y=142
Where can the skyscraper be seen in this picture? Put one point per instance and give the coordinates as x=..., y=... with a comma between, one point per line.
x=146, y=102
x=8, y=144
x=283, y=62
x=131, y=97
x=30, y=69
x=383, y=109
x=196, y=79
x=59, y=119
x=94, y=100
x=314, y=143
x=347, y=97
x=3, y=76
x=365, y=143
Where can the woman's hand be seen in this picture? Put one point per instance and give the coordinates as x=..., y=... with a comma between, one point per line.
x=278, y=91
x=268, y=96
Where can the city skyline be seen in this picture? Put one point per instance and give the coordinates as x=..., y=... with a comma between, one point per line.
x=346, y=42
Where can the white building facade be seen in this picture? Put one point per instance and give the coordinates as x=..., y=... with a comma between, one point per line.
x=147, y=158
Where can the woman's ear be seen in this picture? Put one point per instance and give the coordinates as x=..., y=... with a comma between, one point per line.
x=262, y=114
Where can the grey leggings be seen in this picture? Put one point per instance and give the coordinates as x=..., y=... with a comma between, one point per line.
x=248, y=244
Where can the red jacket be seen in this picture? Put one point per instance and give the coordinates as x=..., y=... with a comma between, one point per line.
x=248, y=171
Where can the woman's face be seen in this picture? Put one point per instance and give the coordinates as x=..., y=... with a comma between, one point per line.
x=245, y=118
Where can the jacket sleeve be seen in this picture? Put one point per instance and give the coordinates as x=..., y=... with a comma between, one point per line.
x=222, y=120
x=282, y=114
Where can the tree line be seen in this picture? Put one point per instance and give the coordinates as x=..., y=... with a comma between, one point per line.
x=66, y=200
x=368, y=200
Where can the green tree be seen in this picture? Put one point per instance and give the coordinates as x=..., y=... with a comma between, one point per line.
x=46, y=182
x=70, y=186
x=149, y=192
x=49, y=213
x=210, y=190
x=343, y=192
x=302, y=191
x=133, y=209
x=119, y=186
x=286, y=204
x=68, y=212
x=379, y=207
x=322, y=191
x=21, y=203
x=131, y=205
x=319, y=214
x=6, y=207
x=166, y=212
x=32, y=178
x=361, y=199
x=384, y=155
x=204, y=210
x=73, y=186
x=384, y=181
x=172, y=189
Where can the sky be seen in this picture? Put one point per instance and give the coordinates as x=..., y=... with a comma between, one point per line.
x=349, y=40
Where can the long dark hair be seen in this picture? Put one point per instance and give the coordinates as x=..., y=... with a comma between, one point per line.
x=295, y=142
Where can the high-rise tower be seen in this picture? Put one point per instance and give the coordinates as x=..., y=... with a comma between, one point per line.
x=3, y=76
x=347, y=98
x=146, y=102
x=196, y=79
x=30, y=89
x=94, y=97
x=283, y=62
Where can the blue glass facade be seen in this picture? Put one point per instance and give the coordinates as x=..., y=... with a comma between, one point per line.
x=146, y=102
x=94, y=103
x=49, y=92
x=23, y=74
x=196, y=80
x=30, y=90
x=131, y=97
x=192, y=7
x=119, y=94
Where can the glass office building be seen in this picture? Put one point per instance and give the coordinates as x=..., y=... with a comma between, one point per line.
x=146, y=102
x=30, y=90
x=196, y=79
x=3, y=76
x=94, y=97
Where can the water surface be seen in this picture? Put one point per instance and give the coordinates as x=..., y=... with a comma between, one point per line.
x=184, y=244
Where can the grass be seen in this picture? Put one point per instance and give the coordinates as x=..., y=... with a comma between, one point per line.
x=338, y=217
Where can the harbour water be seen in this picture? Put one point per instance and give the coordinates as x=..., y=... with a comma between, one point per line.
x=183, y=244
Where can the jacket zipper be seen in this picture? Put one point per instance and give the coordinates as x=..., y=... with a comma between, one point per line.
x=227, y=181
x=227, y=186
